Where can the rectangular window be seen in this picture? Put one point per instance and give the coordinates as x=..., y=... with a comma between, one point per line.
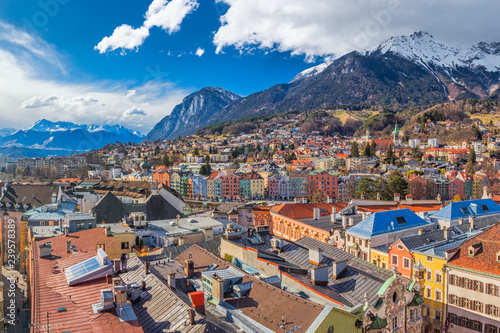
x=394, y=260
x=437, y=314
x=429, y=275
x=439, y=277
x=406, y=263
x=438, y=295
x=101, y=246
x=124, y=245
x=80, y=226
x=465, y=211
x=428, y=293
x=429, y=258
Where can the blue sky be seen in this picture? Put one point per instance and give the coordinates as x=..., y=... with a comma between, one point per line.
x=132, y=61
x=78, y=26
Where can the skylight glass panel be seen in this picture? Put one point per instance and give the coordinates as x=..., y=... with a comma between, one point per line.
x=400, y=220
x=485, y=208
x=465, y=210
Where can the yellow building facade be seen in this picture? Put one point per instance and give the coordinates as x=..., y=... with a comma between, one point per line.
x=379, y=257
x=431, y=275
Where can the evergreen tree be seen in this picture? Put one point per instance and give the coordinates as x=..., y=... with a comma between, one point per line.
x=196, y=151
x=472, y=156
x=397, y=184
x=367, y=151
x=354, y=149
x=373, y=148
x=205, y=169
x=157, y=151
x=282, y=147
x=389, y=158
x=166, y=161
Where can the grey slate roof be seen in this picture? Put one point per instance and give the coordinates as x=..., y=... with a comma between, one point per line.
x=212, y=246
x=159, y=309
x=349, y=289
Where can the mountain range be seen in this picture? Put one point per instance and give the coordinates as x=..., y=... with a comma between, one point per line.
x=404, y=71
x=47, y=138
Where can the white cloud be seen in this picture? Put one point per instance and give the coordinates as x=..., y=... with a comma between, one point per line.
x=134, y=112
x=200, y=52
x=168, y=15
x=325, y=27
x=25, y=97
x=124, y=37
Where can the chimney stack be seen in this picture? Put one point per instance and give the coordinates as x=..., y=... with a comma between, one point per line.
x=446, y=233
x=319, y=275
x=171, y=279
x=107, y=231
x=116, y=265
x=472, y=222
x=378, y=196
x=178, y=219
x=315, y=256
x=421, y=232
x=461, y=221
x=191, y=315
x=146, y=267
x=338, y=267
x=68, y=246
x=217, y=288
x=316, y=213
x=189, y=266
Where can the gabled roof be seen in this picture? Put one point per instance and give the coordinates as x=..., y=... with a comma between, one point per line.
x=485, y=260
x=380, y=223
x=27, y=196
x=464, y=209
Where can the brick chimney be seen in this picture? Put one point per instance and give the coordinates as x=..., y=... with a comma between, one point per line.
x=217, y=288
x=68, y=246
x=171, y=279
x=189, y=265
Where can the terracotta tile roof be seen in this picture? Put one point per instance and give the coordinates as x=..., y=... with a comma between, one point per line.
x=486, y=259
x=52, y=292
x=303, y=211
x=264, y=303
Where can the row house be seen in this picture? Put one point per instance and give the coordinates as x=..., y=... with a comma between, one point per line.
x=279, y=187
x=324, y=181
x=298, y=185
x=211, y=183
x=230, y=187
x=252, y=186
x=473, y=275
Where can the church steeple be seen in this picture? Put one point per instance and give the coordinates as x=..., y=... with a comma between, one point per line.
x=395, y=136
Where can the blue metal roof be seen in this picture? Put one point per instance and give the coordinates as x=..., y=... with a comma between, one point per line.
x=380, y=223
x=464, y=209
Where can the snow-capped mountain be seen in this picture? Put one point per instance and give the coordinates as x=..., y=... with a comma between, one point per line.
x=6, y=131
x=44, y=125
x=311, y=71
x=424, y=49
x=193, y=113
x=46, y=138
